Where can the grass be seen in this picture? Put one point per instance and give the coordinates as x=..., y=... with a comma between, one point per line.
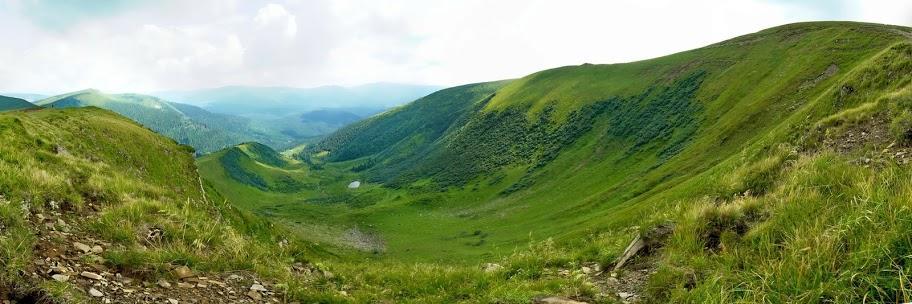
x=75, y=159
x=766, y=209
x=753, y=127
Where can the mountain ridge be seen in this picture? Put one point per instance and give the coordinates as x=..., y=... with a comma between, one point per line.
x=12, y=103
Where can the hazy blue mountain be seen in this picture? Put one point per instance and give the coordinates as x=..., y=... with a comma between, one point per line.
x=249, y=101
x=12, y=103
x=187, y=124
x=31, y=97
x=204, y=130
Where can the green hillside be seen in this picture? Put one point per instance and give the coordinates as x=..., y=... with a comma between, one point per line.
x=12, y=103
x=68, y=178
x=779, y=159
x=85, y=218
x=190, y=125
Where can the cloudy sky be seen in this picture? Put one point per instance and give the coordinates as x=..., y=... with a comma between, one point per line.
x=146, y=46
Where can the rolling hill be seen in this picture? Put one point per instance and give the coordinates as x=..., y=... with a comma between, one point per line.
x=770, y=167
x=190, y=125
x=12, y=103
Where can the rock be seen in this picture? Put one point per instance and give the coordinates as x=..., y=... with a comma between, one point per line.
x=625, y=295
x=491, y=267
x=645, y=243
x=172, y=301
x=83, y=247
x=61, y=277
x=164, y=284
x=558, y=300
x=97, y=249
x=95, y=293
x=354, y=185
x=183, y=272
x=202, y=285
x=154, y=235
x=586, y=270
x=328, y=275
x=257, y=287
x=184, y=285
x=254, y=295
x=632, y=249
x=235, y=277
x=91, y=275
x=220, y=284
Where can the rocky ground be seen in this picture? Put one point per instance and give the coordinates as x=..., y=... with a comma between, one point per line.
x=626, y=280
x=65, y=253
x=870, y=143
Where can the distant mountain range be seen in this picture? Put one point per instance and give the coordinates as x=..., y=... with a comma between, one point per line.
x=30, y=97
x=186, y=124
x=11, y=103
x=361, y=100
x=278, y=117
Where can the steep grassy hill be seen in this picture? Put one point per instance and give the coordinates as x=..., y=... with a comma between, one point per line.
x=777, y=161
x=706, y=103
x=12, y=103
x=68, y=180
x=203, y=130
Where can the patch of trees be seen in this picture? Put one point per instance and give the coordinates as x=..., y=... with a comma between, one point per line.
x=662, y=119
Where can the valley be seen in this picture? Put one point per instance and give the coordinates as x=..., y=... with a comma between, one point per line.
x=537, y=160
x=768, y=168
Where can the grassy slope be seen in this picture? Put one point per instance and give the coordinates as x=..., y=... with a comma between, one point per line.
x=754, y=88
x=760, y=99
x=187, y=124
x=72, y=165
x=76, y=159
x=11, y=103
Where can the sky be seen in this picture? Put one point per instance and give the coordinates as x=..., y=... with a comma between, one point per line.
x=147, y=46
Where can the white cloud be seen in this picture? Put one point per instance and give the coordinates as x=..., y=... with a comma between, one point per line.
x=884, y=11
x=190, y=44
x=275, y=14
